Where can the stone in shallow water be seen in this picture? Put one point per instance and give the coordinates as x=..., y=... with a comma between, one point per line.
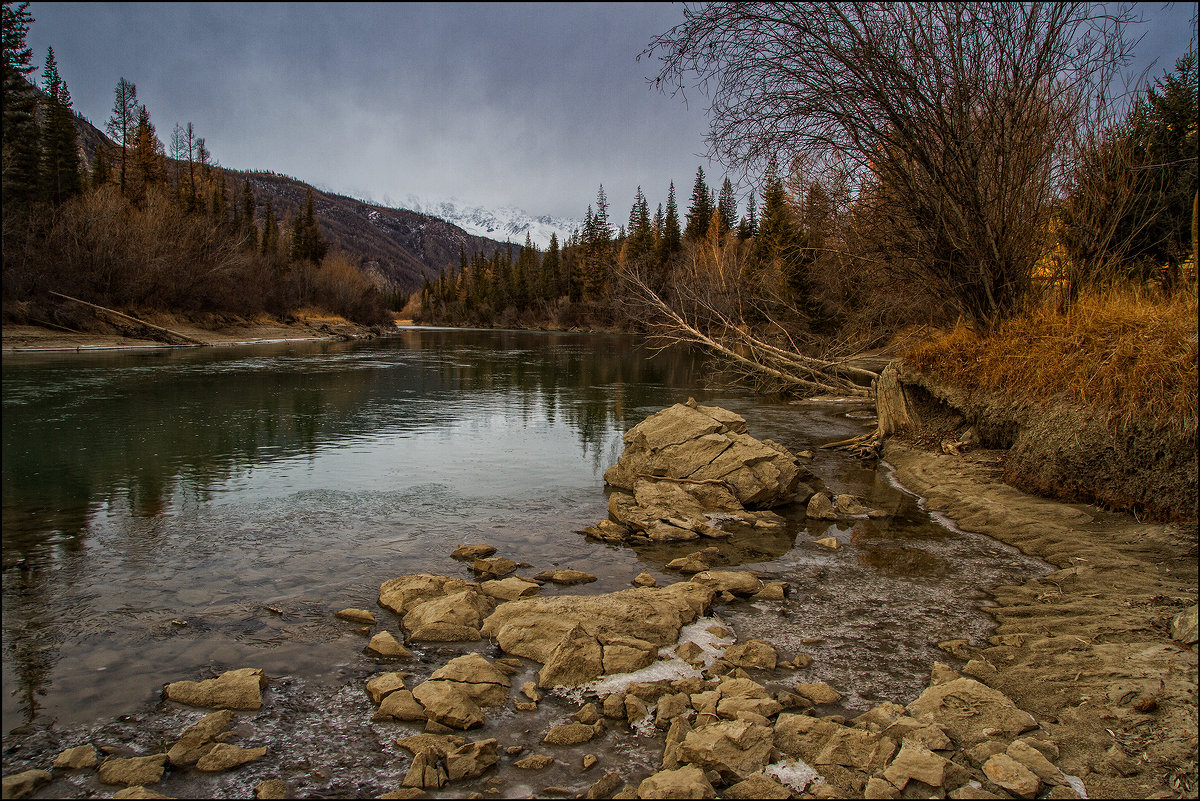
x=737, y=582
x=356, y=615
x=685, y=782
x=233, y=689
x=385, y=644
x=565, y=577
x=469, y=553
x=198, y=740
x=19, y=785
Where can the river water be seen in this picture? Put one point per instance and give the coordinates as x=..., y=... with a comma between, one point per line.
x=172, y=513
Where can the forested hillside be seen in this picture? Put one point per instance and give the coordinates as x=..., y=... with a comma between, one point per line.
x=120, y=218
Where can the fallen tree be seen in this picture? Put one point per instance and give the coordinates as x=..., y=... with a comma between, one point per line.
x=697, y=319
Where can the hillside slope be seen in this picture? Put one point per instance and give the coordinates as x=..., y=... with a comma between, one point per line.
x=397, y=248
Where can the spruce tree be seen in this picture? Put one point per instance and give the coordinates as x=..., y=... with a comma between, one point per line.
x=727, y=206
x=639, y=244
x=21, y=146
x=60, y=142
x=101, y=174
x=671, y=240
x=552, y=270
x=701, y=209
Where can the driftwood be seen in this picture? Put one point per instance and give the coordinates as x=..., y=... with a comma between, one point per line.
x=168, y=332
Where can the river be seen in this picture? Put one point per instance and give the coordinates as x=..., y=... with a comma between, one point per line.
x=170, y=513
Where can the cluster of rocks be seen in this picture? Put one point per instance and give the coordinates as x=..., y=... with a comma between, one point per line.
x=959, y=739
x=692, y=471
x=203, y=747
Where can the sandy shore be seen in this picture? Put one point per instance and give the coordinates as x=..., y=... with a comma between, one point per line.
x=1086, y=649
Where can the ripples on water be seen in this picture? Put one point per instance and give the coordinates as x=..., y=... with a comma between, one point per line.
x=211, y=487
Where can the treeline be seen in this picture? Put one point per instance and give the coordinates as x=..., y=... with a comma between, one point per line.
x=826, y=260
x=148, y=226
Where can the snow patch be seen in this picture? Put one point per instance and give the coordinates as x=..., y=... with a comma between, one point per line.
x=505, y=223
x=795, y=773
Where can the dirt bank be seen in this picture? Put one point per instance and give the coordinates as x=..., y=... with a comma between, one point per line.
x=203, y=331
x=1086, y=649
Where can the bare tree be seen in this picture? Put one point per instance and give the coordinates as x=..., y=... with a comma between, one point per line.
x=123, y=121
x=951, y=121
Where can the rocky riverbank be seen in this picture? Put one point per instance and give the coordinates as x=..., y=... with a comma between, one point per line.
x=1088, y=687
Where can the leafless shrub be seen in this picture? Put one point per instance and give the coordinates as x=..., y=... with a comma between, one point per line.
x=950, y=122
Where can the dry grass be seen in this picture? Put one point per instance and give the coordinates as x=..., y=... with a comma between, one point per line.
x=1131, y=354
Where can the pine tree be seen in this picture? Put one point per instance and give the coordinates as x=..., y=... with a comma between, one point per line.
x=727, y=206
x=778, y=237
x=123, y=123
x=701, y=209
x=307, y=242
x=21, y=145
x=748, y=226
x=60, y=151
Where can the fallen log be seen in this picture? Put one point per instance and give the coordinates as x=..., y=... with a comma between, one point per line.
x=186, y=339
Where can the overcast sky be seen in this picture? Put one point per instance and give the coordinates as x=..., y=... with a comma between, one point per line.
x=529, y=105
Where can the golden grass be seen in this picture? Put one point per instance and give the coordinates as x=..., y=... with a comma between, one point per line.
x=1127, y=353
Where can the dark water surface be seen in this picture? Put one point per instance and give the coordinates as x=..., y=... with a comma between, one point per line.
x=150, y=489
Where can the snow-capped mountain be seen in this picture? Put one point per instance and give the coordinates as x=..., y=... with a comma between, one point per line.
x=499, y=224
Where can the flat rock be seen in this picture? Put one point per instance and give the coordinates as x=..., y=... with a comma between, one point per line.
x=199, y=739
x=138, y=791
x=357, y=616
x=737, y=582
x=403, y=592
x=569, y=734
x=818, y=692
x=734, y=748
x=832, y=543
x=969, y=711
x=448, y=703
x=400, y=705
x=510, y=589
x=1004, y=771
x=915, y=761
x=442, y=743
x=471, y=759
x=81, y=756
x=379, y=687
x=271, y=788
x=565, y=577
x=225, y=756
x=753, y=654
x=493, y=567
x=758, y=785
x=469, y=553
x=685, y=782
x=134, y=770
x=19, y=785
x=471, y=668
x=568, y=634
x=233, y=689
x=385, y=644
x=464, y=609
x=534, y=762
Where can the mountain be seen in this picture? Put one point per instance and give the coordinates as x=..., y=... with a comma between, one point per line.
x=506, y=223
x=397, y=248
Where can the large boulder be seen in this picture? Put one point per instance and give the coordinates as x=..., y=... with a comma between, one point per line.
x=688, y=467
x=404, y=592
x=971, y=712
x=733, y=748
